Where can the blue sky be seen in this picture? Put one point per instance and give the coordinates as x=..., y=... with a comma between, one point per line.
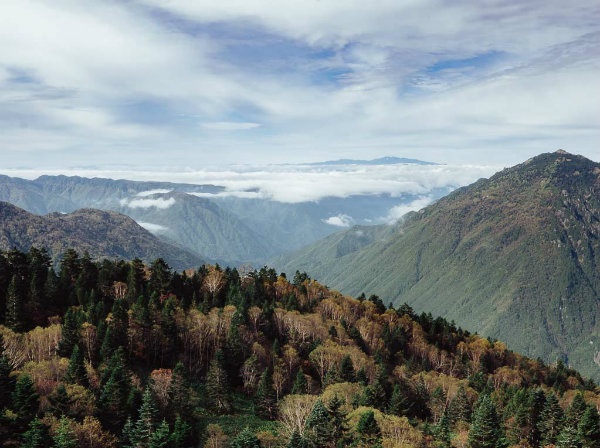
x=151, y=84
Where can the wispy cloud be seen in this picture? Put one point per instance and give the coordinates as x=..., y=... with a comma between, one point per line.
x=399, y=211
x=159, y=203
x=153, y=228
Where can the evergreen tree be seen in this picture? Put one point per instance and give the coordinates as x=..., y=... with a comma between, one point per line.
x=70, y=333
x=575, y=410
x=264, y=398
x=60, y=402
x=25, y=400
x=319, y=428
x=296, y=441
x=589, y=428
x=246, y=439
x=361, y=376
x=128, y=438
x=36, y=435
x=347, y=372
x=7, y=383
x=369, y=433
x=115, y=390
x=568, y=438
x=217, y=386
x=161, y=437
x=398, y=404
x=338, y=420
x=486, y=429
x=15, y=302
x=146, y=423
x=180, y=395
x=181, y=431
x=300, y=386
x=443, y=431
x=537, y=402
x=76, y=372
x=551, y=420
x=460, y=407
x=64, y=436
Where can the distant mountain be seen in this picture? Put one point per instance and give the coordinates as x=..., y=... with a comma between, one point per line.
x=379, y=161
x=225, y=229
x=102, y=234
x=515, y=257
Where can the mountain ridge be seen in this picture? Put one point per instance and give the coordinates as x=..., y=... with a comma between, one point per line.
x=508, y=256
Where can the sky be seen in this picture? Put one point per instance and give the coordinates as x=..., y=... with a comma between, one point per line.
x=182, y=86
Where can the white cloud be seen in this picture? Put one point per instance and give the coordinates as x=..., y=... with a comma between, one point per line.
x=230, y=126
x=340, y=220
x=153, y=228
x=399, y=211
x=143, y=194
x=159, y=203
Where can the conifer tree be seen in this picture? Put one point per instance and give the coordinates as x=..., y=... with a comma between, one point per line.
x=25, y=400
x=589, y=428
x=36, y=435
x=217, y=385
x=347, y=373
x=398, y=404
x=486, y=429
x=181, y=431
x=64, y=437
x=146, y=423
x=443, y=431
x=264, y=399
x=246, y=439
x=319, y=428
x=59, y=400
x=296, y=441
x=7, y=383
x=70, y=333
x=369, y=433
x=15, y=301
x=115, y=390
x=338, y=420
x=575, y=410
x=76, y=372
x=161, y=437
x=300, y=386
x=551, y=420
x=179, y=393
x=568, y=438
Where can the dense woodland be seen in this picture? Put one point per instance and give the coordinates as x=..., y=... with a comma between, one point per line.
x=120, y=354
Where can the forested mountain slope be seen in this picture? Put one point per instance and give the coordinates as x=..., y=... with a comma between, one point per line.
x=515, y=257
x=115, y=353
x=99, y=233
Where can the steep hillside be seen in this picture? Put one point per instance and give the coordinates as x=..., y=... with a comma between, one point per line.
x=101, y=234
x=514, y=257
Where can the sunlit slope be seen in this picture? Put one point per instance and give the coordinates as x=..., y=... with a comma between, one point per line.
x=514, y=257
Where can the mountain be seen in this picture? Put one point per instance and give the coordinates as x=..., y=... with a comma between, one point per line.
x=203, y=218
x=102, y=234
x=514, y=257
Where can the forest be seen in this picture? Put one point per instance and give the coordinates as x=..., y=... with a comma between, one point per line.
x=117, y=353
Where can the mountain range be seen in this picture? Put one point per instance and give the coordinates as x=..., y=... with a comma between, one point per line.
x=99, y=233
x=513, y=257
x=217, y=226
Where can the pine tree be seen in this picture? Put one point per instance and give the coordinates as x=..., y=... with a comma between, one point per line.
x=64, y=437
x=369, y=433
x=180, y=395
x=551, y=420
x=296, y=441
x=181, y=431
x=264, y=399
x=589, y=428
x=347, y=372
x=70, y=333
x=217, y=386
x=115, y=390
x=568, y=438
x=319, y=428
x=36, y=435
x=60, y=402
x=25, y=400
x=460, y=407
x=146, y=423
x=443, y=431
x=300, y=386
x=161, y=437
x=7, y=383
x=486, y=429
x=76, y=372
x=398, y=404
x=15, y=302
x=338, y=419
x=245, y=439
x=575, y=410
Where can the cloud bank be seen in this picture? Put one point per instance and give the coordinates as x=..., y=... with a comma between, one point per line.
x=159, y=203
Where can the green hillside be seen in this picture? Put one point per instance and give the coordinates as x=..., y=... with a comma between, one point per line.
x=514, y=257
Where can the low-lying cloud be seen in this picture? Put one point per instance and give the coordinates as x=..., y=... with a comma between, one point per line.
x=153, y=228
x=340, y=220
x=159, y=203
x=396, y=213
